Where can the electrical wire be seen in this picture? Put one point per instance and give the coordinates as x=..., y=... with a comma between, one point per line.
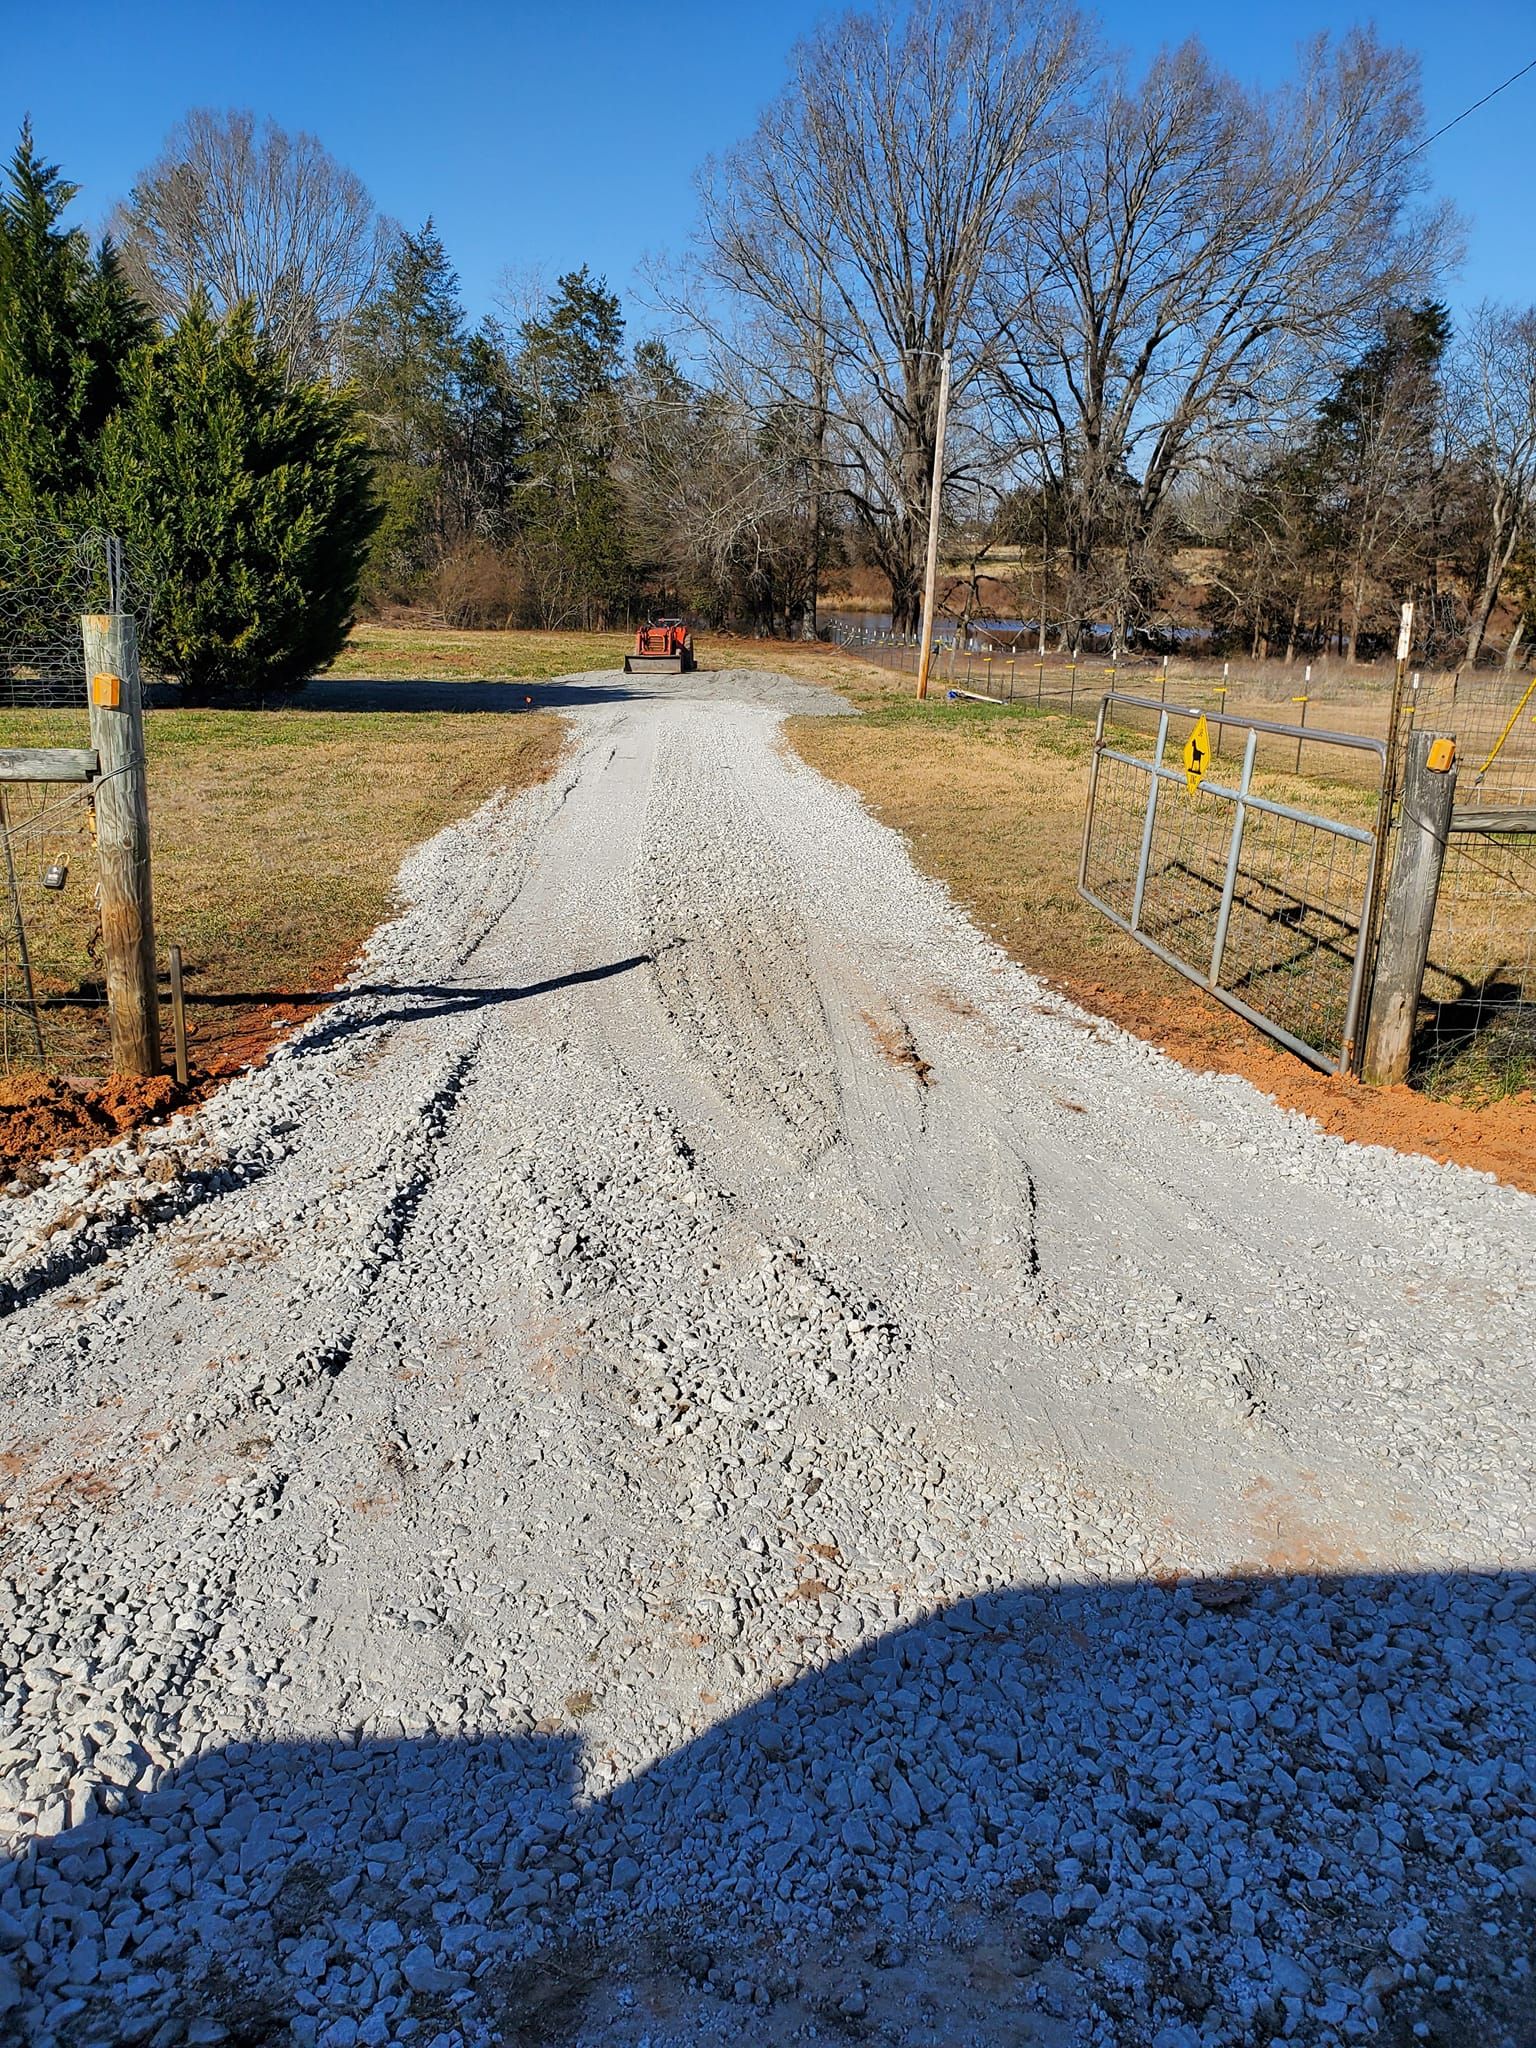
x=1459, y=118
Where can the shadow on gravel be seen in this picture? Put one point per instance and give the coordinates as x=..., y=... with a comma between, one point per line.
x=1238, y=1812
x=422, y=1000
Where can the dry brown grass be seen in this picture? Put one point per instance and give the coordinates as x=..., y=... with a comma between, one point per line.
x=408, y=653
x=990, y=802
x=277, y=836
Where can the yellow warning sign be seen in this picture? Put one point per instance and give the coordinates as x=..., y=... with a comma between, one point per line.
x=1197, y=754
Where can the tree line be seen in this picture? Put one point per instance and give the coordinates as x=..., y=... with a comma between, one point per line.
x=1180, y=312
x=1196, y=333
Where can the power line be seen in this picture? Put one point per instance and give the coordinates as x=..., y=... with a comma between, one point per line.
x=1487, y=96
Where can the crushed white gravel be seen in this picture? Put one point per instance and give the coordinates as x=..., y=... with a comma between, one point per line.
x=702, y=1459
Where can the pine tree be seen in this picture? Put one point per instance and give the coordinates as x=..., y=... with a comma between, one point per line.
x=250, y=500
x=408, y=357
x=488, y=452
x=1378, y=472
x=68, y=326
x=570, y=367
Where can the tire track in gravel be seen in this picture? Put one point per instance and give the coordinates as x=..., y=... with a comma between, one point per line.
x=733, y=966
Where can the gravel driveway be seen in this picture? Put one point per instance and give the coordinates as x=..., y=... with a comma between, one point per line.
x=701, y=1459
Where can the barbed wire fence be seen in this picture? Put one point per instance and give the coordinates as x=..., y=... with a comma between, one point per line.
x=52, y=992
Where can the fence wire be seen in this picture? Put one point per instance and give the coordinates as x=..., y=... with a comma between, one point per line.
x=1491, y=712
x=1477, y=1017
x=1493, y=719
x=1295, y=927
x=46, y=584
x=52, y=999
x=1294, y=921
x=1477, y=1033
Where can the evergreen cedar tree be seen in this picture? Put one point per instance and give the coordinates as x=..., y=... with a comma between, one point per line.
x=68, y=327
x=248, y=503
x=251, y=499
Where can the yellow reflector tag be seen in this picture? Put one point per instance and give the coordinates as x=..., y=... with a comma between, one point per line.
x=107, y=690
x=1441, y=754
x=1197, y=755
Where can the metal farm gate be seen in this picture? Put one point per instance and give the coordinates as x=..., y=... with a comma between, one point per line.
x=1264, y=903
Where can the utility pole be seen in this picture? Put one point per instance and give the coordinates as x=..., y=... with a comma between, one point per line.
x=935, y=496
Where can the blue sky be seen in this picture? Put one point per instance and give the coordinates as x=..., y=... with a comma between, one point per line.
x=544, y=137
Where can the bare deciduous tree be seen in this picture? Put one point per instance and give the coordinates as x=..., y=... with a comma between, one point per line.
x=236, y=211
x=1494, y=411
x=1197, y=258
x=862, y=216
x=721, y=494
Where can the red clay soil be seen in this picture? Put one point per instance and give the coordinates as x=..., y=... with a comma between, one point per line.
x=1499, y=1137
x=43, y=1115
x=47, y=1116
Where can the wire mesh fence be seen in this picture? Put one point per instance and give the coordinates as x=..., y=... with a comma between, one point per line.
x=1477, y=1027
x=52, y=999
x=1258, y=899
x=1493, y=720
x=46, y=584
x=1491, y=712
x=1476, y=1033
x=1294, y=921
x=1281, y=931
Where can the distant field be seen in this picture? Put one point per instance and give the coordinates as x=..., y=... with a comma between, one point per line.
x=412, y=654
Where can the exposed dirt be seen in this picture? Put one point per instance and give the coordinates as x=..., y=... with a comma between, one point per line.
x=895, y=1044
x=1498, y=1137
x=59, y=1116
x=227, y=1037
x=43, y=1116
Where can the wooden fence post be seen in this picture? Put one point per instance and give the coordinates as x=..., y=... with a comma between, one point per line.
x=122, y=840
x=1408, y=907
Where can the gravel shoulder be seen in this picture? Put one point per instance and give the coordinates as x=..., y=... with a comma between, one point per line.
x=701, y=1456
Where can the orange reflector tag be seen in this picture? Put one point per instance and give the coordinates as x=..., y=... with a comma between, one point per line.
x=107, y=690
x=1441, y=754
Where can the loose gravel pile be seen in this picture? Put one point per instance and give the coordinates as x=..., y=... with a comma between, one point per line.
x=701, y=1459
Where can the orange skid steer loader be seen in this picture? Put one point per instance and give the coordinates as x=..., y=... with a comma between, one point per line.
x=664, y=647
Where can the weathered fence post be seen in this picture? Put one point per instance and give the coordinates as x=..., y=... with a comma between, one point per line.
x=122, y=840
x=1408, y=908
